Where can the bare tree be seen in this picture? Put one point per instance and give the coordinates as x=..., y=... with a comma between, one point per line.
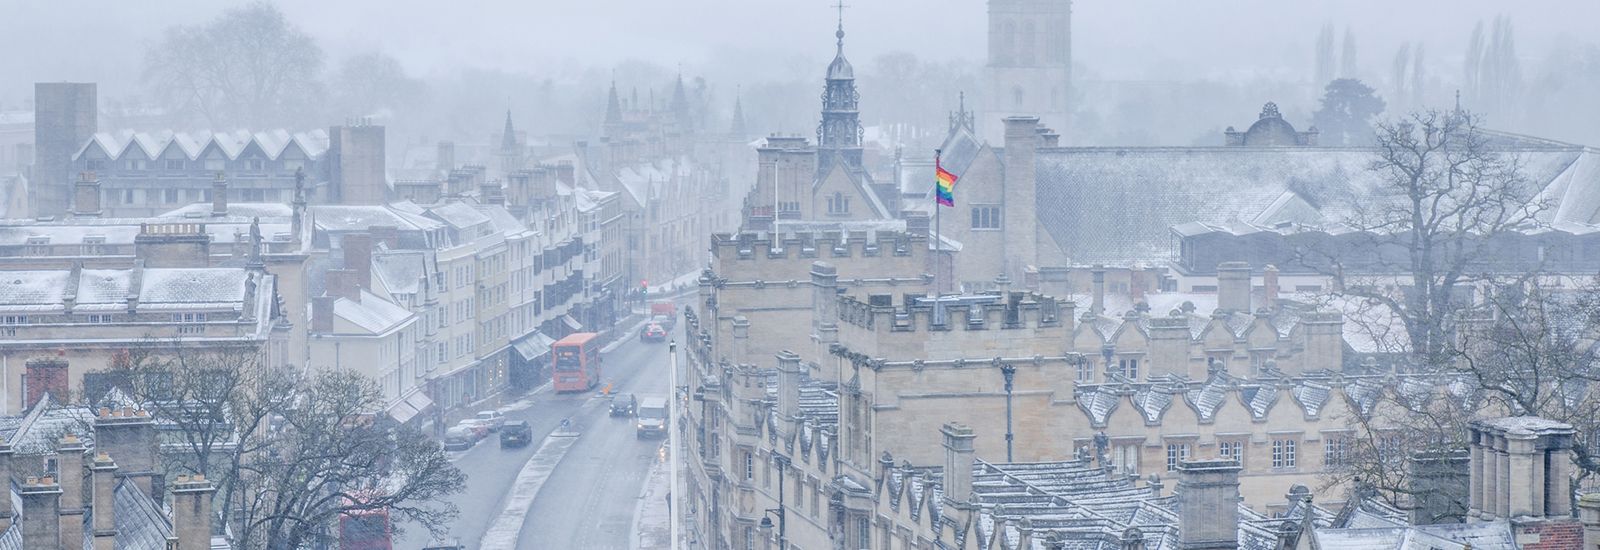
x=290, y=453
x=250, y=66
x=1444, y=198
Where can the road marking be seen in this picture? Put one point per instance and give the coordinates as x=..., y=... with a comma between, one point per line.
x=507, y=526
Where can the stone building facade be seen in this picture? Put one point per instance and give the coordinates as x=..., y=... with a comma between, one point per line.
x=1029, y=69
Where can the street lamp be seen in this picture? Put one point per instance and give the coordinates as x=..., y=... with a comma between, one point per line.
x=766, y=519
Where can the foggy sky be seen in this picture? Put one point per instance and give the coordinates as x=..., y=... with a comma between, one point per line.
x=732, y=40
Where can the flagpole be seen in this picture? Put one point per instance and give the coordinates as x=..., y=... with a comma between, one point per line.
x=938, y=236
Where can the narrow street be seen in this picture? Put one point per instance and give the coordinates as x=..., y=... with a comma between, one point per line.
x=589, y=500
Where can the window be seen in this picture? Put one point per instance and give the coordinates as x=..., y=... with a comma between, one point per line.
x=749, y=538
x=175, y=164
x=101, y=318
x=189, y=323
x=169, y=196
x=1126, y=457
x=1283, y=453
x=986, y=217
x=13, y=319
x=95, y=165
x=1086, y=371
x=1129, y=368
x=749, y=466
x=256, y=165
x=1233, y=450
x=1176, y=454
x=838, y=204
x=863, y=533
x=1335, y=450
x=444, y=352
x=788, y=206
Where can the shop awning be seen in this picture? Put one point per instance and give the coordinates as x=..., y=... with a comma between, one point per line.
x=572, y=323
x=532, y=346
x=410, y=406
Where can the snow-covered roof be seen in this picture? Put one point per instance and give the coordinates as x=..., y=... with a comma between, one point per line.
x=109, y=289
x=271, y=144
x=372, y=314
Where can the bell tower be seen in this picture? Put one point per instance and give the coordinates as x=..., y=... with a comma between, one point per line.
x=1029, y=72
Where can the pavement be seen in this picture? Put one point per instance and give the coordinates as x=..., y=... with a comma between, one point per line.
x=581, y=493
x=651, y=530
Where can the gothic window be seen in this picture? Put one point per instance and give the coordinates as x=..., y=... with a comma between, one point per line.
x=838, y=204
x=1029, y=40
x=749, y=466
x=1283, y=453
x=1176, y=454
x=863, y=533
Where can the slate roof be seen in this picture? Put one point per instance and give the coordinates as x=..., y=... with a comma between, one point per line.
x=332, y=217
x=232, y=144
x=108, y=289
x=373, y=314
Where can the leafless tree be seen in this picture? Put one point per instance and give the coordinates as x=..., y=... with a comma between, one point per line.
x=290, y=452
x=248, y=67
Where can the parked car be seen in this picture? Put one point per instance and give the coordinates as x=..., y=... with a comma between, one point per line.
x=515, y=433
x=623, y=404
x=652, y=333
x=494, y=419
x=652, y=417
x=447, y=544
x=477, y=427
x=459, y=438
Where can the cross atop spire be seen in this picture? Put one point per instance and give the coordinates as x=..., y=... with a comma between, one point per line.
x=840, y=33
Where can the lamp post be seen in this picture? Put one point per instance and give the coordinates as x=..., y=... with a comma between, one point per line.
x=1010, y=372
x=766, y=520
x=672, y=446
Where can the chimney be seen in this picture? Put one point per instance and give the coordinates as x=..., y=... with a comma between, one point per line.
x=1021, y=142
x=41, y=506
x=6, y=513
x=86, y=196
x=44, y=375
x=1208, y=504
x=1098, y=304
x=446, y=159
x=358, y=258
x=492, y=193
x=1269, y=285
x=341, y=283
x=566, y=173
x=219, y=195
x=103, y=479
x=322, y=314
x=1137, y=279
x=69, y=470
x=788, y=385
x=1589, y=516
x=1521, y=468
x=130, y=435
x=958, y=463
x=1233, y=286
x=173, y=245
x=191, y=512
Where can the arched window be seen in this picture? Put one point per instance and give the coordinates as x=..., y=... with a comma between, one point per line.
x=1016, y=96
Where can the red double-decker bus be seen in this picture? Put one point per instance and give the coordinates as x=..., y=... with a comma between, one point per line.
x=577, y=362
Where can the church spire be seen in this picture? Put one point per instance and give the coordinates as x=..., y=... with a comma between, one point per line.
x=680, y=107
x=736, y=129
x=613, y=106
x=508, y=139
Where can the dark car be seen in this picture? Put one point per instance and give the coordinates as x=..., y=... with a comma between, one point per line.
x=623, y=404
x=515, y=433
x=653, y=333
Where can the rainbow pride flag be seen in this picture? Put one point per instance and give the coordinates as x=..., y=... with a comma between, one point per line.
x=945, y=191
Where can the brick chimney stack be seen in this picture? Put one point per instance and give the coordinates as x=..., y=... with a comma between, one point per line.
x=130, y=435
x=69, y=469
x=103, y=482
x=191, y=512
x=6, y=513
x=322, y=314
x=41, y=506
x=1269, y=286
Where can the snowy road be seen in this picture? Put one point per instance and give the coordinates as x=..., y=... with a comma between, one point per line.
x=589, y=499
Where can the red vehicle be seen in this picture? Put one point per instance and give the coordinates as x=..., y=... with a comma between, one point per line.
x=365, y=530
x=668, y=309
x=577, y=362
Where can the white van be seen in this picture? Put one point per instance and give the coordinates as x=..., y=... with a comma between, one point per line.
x=652, y=416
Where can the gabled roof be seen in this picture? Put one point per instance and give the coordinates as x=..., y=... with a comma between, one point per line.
x=271, y=143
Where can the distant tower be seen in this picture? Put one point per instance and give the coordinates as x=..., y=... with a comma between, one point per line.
x=612, y=127
x=510, y=152
x=839, y=134
x=65, y=116
x=737, y=128
x=1030, y=64
x=682, y=114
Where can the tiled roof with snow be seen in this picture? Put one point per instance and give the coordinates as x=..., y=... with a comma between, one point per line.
x=373, y=314
x=271, y=144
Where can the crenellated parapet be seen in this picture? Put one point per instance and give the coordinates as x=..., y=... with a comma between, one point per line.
x=1010, y=311
x=818, y=244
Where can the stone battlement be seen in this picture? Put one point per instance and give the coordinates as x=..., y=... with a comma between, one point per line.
x=1015, y=310
x=856, y=243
